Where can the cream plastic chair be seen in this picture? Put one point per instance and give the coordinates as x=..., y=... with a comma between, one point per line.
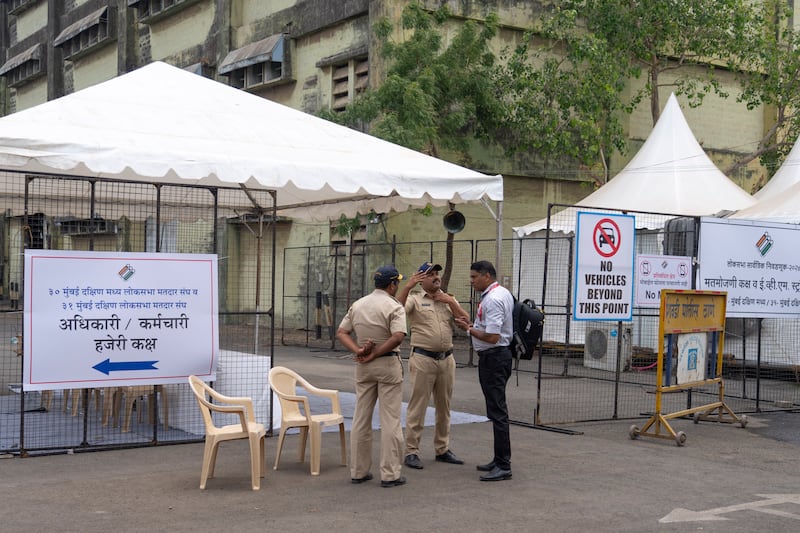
x=120, y=412
x=247, y=428
x=284, y=382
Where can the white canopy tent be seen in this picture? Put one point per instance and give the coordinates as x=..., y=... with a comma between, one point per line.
x=786, y=176
x=779, y=199
x=669, y=174
x=166, y=125
x=783, y=207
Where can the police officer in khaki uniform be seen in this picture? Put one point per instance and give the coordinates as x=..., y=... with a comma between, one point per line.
x=430, y=313
x=379, y=322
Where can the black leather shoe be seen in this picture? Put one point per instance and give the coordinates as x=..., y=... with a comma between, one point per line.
x=412, y=461
x=488, y=467
x=497, y=474
x=394, y=482
x=357, y=480
x=449, y=457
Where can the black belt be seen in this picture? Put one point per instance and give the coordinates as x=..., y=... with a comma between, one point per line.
x=495, y=350
x=387, y=354
x=435, y=355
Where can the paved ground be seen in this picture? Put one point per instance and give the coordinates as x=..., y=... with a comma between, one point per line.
x=725, y=479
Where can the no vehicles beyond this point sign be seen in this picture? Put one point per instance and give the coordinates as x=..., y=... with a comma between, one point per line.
x=603, y=285
x=607, y=237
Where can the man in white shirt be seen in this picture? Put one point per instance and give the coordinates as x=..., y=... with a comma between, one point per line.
x=491, y=334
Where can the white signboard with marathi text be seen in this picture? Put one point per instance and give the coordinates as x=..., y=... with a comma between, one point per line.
x=656, y=272
x=99, y=319
x=757, y=264
x=604, y=273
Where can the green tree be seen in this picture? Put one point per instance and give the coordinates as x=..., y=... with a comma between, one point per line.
x=435, y=97
x=659, y=39
x=767, y=62
x=561, y=86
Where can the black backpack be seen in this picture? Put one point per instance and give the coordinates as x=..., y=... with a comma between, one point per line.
x=528, y=326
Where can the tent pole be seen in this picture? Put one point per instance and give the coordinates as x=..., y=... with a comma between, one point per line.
x=498, y=217
x=499, y=243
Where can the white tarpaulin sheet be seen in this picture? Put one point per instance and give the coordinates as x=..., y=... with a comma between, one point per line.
x=160, y=123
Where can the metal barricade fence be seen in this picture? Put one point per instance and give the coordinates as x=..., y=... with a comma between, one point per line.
x=60, y=213
x=603, y=370
x=582, y=372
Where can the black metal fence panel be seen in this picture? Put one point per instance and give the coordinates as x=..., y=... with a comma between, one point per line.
x=66, y=213
x=583, y=370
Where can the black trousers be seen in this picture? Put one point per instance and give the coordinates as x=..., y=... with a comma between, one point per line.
x=494, y=370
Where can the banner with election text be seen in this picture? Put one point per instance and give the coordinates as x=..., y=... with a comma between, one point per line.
x=98, y=319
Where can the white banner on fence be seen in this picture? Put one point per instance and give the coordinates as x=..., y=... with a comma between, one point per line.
x=98, y=319
x=756, y=262
x=604, y=273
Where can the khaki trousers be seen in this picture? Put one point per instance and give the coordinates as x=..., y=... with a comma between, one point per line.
x=429, y=376
x=379, y=380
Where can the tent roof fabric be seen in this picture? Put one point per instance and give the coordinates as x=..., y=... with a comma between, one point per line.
x=787, y=175
x=783, y=207
x=162, y=124
x=670, y=174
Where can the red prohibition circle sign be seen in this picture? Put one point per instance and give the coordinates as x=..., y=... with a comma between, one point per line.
x=607, y=237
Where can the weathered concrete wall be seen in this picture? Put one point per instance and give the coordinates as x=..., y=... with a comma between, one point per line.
x=94, y=68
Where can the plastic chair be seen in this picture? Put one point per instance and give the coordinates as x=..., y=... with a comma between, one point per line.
x=247, y=428
x=284, y=382
x=73, y=398
x=117, y=410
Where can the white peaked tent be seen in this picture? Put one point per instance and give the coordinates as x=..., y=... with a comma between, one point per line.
x=779, y=199
x=163, y=124
x=786, y=176
x=669, y=174
x=783, y=207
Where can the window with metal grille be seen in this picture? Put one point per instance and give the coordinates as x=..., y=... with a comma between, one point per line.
x=17, y=6
x=85, y=34
x=24, y=67
x=340, y=244
x=150, y=10
x=260, y=63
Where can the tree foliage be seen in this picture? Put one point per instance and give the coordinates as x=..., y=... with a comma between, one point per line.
x=672, y=43
x=767, y=63
x=435, y=97
x=562, y=93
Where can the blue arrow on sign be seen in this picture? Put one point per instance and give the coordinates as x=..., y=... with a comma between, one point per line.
x=106, y=367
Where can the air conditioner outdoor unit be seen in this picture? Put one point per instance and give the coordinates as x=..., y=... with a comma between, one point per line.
x=600, y=346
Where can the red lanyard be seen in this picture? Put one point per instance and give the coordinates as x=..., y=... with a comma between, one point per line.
x=490, y=289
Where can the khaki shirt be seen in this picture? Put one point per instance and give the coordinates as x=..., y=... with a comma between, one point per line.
x=431, y=322
x=376, y=316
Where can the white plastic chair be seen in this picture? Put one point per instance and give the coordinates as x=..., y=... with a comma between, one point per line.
x=284, y=382
x=247, y=428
